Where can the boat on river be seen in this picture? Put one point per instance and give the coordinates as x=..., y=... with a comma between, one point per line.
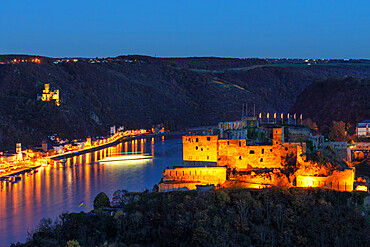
x=120, y=158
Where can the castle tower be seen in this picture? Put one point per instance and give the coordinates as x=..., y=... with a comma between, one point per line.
x=18, y=150
x=47, y=88
x=278, y=136
x=44, y=146
x=56, y=97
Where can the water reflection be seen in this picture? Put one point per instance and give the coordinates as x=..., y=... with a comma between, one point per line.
x=62, y=186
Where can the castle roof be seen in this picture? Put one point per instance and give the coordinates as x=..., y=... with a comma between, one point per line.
x=363, y=124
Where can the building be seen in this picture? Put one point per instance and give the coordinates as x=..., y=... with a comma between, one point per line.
x=237, y=153
x=342, y=149
x=48, y=95
x=231, y=158
x=237, y=129
x=190, y=177
x=18, y=150
x=362, y=129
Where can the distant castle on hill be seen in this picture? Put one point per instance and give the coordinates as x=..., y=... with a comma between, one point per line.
x=48, y=95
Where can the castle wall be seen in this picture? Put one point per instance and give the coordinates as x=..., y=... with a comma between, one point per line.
x=164, y=187
x=297, y=134
x=236, y=154
x=342, y=148
x=290, y=148
x=339, y=180
x=207, y=175
x=200, y=148
x=188, y=163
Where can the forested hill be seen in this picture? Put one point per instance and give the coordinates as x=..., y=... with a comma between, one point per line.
x=346, y=100
x=139, y=91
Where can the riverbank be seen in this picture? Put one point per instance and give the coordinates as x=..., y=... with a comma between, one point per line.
x=113, y=143
x=19, y=171
x=61, y=187
x=96, y=148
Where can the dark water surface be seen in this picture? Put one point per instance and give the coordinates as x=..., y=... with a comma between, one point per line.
x=59, y=188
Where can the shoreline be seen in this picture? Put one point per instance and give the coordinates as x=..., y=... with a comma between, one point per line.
x=87, y=150
x=93, y=149
x=123, y=138
x=18, y=172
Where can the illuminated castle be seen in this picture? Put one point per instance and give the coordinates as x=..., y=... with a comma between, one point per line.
x=231, y=159
x=48, y=95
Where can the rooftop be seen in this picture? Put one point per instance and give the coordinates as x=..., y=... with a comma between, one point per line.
x=363, y=123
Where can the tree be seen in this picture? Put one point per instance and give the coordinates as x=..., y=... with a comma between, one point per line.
x=73, y=243
x=119, y=198
x=101, y=201
x=310, y=123
x=338, y=131
x=155, y=188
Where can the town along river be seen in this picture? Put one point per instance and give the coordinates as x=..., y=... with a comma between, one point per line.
x=62, y=187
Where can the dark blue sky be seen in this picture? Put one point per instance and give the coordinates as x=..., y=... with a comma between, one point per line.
x=230, y=28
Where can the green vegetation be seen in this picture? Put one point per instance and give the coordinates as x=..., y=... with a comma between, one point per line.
x=309, y=145
x=101, y=201
x=268, y=217
x=363, y=168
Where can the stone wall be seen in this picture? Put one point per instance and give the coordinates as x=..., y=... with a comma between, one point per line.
x=164, y=187
x=237, y=129
x=297, y=134
x=236, y=154
x=200, y=148
x=208, y=175
x=342, y=148
x=339, y=180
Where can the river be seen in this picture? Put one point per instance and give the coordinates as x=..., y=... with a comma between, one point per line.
x=63, y=187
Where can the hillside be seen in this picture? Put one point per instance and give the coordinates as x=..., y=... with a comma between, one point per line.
x=330, y=100
x=139, y=91
x=268, y=217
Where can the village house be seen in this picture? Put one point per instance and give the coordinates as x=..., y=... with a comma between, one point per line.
x=362, y=129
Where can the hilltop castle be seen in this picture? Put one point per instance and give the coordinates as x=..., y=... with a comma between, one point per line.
x=238, y=156
x=48, y=95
